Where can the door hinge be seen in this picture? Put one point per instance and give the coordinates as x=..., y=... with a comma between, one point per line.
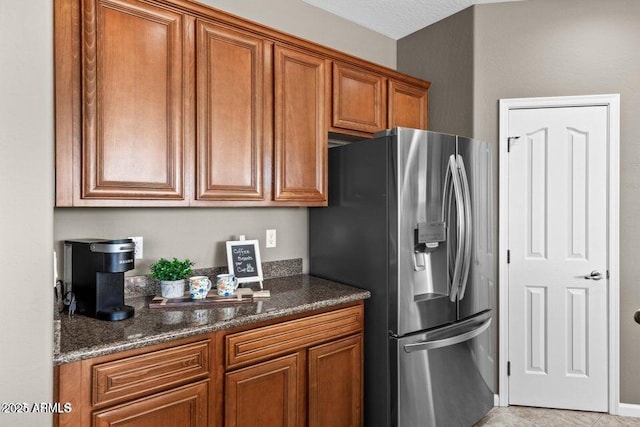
x=508, y=256
x=509, y=139
x=508, y=369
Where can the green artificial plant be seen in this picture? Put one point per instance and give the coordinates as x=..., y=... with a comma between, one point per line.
x=166, y=270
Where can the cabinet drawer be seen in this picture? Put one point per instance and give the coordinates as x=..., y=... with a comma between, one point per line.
x=270, y=341
x=139, y=375
x=185, y=406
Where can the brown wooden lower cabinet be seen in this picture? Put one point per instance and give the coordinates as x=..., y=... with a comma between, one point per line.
x=269, y=394
x=297, y=371
x=306, y=371
x=152, y=386
x=335, y=383
x=184, y=406
x=275, y=393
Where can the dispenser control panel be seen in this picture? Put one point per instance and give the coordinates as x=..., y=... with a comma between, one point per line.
x=431, y=232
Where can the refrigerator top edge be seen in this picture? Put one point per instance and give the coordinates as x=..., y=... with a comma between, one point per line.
x=400, y=130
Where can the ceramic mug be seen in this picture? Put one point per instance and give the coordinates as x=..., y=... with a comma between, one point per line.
x=227, y=284
x=199, y=287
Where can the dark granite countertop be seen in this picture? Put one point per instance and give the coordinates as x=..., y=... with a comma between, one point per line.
x=81, y=337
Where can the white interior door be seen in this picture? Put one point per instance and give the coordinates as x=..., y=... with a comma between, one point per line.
x=557, y=236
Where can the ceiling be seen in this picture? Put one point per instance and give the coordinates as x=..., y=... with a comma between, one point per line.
x=395, y=18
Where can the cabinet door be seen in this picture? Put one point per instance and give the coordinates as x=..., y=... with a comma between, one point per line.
x=233, y=86
x=359, y=99
x=335, y=383
x=184, y=406
x=268, y=394
x=133, y=101
x=301, y=134
x=407, y=105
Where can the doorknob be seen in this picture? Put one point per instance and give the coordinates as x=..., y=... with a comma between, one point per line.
x=595, y=275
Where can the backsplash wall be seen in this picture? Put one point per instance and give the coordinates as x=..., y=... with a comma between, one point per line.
x=195, y=233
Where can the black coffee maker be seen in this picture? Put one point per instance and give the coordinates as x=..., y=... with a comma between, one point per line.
x=94, y=272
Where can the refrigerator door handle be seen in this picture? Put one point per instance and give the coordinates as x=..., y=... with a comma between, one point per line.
x=460, y=225
x=466, y=335
x=446, y=214
x=468, y=227
x=447, y=193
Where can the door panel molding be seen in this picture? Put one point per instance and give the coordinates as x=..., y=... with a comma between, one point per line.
x=536, y=329
x=612, y=102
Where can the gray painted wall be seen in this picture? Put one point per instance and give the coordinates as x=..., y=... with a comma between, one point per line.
x=314, y=24
x=554, y=48
x=443, y=54
x=195, y=233
x=26, y=220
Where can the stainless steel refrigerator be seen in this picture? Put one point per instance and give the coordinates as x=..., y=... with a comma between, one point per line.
x=411, y=218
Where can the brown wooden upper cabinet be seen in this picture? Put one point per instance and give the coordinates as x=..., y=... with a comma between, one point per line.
x=359, y=100
x=365, y=102
x=301, y=104
x=407, y=105
x=133, y=114
x=233, y=113
x=174, y=103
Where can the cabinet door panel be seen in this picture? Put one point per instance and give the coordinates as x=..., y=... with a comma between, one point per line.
x=301, y=138
x=268, y=394
x=359, y=99
x=407, y=106
x=231, y=95
x=184, y=406
x=133, y=141
x=335, y=383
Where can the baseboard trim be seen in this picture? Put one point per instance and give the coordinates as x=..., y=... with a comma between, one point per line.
x=624, y=409
x=629, y=410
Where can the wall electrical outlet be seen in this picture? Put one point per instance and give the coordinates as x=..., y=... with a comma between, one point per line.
x=271, y=239
x=139, y=245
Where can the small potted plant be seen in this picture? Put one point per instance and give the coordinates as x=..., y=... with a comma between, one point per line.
x=172, y=275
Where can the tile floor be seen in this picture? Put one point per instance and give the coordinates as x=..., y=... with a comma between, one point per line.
x=521, y=416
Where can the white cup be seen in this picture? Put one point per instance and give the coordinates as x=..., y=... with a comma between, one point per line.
x=199, y=287
x=226, y=284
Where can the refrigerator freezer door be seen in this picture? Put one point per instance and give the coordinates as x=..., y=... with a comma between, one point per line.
x=445, y=376
x=419, y=288
x=479, y=294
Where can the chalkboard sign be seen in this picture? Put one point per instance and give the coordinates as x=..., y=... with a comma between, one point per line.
x=243, y=260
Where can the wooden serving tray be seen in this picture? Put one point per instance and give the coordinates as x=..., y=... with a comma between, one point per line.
x=242, y=295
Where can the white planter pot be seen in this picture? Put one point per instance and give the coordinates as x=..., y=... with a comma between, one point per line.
x=172, y=288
